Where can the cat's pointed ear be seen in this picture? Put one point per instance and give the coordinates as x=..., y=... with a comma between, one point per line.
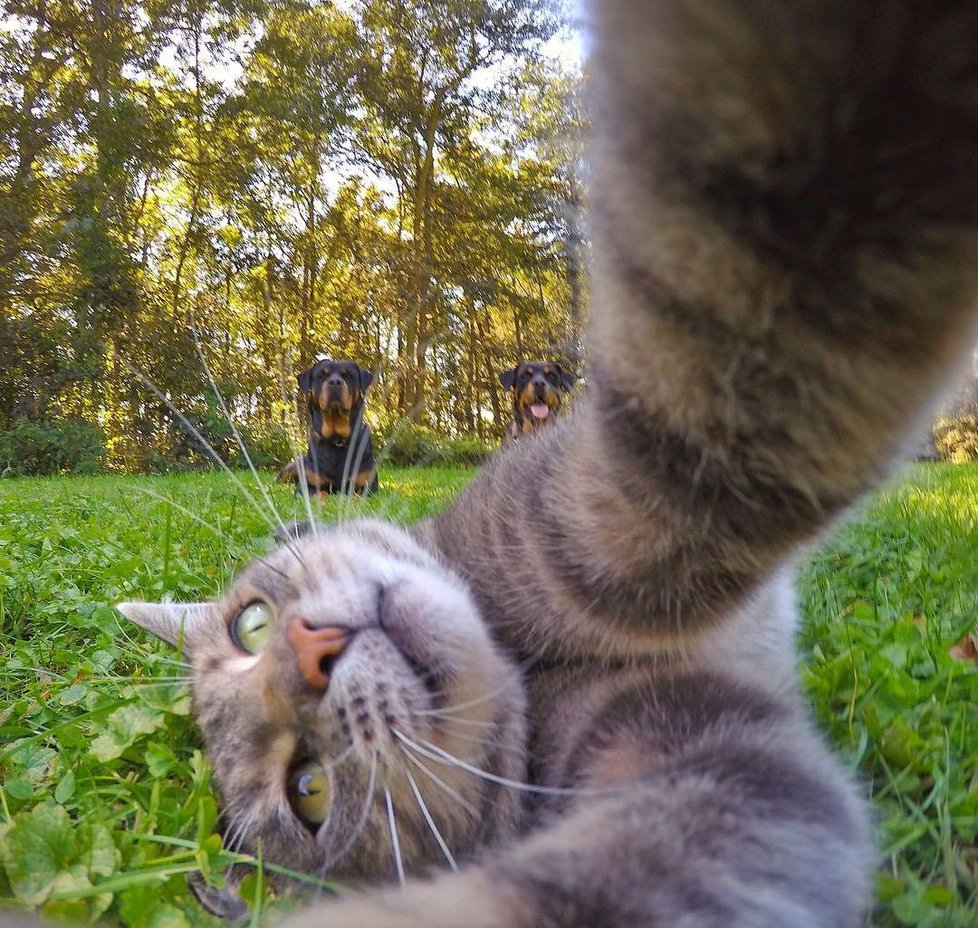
x=172, y=622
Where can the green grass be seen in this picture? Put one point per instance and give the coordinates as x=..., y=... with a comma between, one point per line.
x=105, y=800
x=884, y=601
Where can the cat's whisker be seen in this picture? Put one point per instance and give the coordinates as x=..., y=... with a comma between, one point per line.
x=175, y=662
x=383, y=511
x=297, y=455
x=152, y=494
x=381, y=456
x=436, y=834
x=238, y=827
x=348, y=470
x=342, y=756
x=188, y=425
x=166, y=657
x=234, y=429
x=468, y=739
x=478, y=700
x=361, y=823
x=234, y=835
x=303, y=488
x=144, y=684
x=269, y=521
x=395, y=839
x=455, y=719
x=196, y=518
x=454, y=793
x=357, y=454
x=437, y=754
x=243, y=829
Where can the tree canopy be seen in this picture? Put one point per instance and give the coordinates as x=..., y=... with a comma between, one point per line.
x=241, y=187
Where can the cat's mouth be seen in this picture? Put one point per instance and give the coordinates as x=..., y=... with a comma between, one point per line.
x=371, y=738
x=433, y=676
x=435, y=680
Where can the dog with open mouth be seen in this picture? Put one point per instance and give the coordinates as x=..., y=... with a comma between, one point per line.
x=538, y=389
x=340, y=458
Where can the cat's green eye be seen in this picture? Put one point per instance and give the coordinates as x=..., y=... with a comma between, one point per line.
x=309, y=792
x=252, y=627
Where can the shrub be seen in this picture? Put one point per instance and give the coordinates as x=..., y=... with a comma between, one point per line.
x=411, y=444
x=466, y=451
x=268, y=444
x=957, y=439
x=408, y=443
x=197, y=436
x=51, y=446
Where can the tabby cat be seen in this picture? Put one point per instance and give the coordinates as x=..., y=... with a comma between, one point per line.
x=785, y=227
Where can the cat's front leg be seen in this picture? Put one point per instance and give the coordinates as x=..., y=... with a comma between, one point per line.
x=691, y=801
x=468, y=899
x=636, y=864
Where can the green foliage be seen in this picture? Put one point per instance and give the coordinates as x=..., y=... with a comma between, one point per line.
x=195, y=439
x=885, y=601
x=467, y=451
x=52, y=446
x=47, y=856
x=106, y=802
x=956, y=439
x=268, y=445
x=409, y=444
x=255, y=185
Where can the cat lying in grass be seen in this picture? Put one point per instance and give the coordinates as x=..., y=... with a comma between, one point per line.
x=360, y=721
x=785, y=227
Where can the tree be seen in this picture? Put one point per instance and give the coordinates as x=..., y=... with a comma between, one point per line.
x=250, y=187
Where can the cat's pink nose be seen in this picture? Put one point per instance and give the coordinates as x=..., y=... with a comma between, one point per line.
x=315, y=649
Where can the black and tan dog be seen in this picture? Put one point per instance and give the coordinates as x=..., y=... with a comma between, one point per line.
x=538, y=389
x=341, y=454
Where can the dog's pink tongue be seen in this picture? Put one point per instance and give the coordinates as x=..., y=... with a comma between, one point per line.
x=540, y=410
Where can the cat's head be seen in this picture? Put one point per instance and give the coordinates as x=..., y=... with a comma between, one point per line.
x=347, y=689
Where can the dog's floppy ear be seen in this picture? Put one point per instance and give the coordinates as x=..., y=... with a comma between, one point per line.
x=366, y=377
x=567, y=379
x=305, y=379
x=508, y=378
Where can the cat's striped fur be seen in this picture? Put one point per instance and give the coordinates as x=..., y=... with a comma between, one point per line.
x=785, y=225
x=785, y=222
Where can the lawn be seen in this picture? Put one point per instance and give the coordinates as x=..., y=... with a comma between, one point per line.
x=105, y=800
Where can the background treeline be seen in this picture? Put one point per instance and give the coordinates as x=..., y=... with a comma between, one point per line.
x=256, y=184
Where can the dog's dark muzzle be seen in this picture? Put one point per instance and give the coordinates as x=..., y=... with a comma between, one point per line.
x=334, y=397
